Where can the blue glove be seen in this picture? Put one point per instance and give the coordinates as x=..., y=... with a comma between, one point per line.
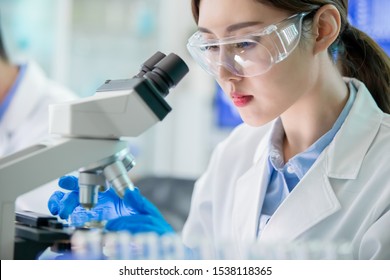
x=64, y=204
x=147, y=219
x=133, y=213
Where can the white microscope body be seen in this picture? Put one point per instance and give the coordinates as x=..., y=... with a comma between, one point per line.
x=86, y=138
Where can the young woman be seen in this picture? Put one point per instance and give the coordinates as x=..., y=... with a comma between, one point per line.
x=310, y=162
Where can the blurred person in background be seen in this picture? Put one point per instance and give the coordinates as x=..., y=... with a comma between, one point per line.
x=25, y=94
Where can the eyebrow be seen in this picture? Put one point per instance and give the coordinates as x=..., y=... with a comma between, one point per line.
x=233, y=27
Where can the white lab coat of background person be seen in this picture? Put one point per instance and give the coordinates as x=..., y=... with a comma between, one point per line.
x=345, y=196
x=26, y=123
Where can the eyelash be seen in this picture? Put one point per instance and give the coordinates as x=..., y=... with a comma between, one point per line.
x=240, y=45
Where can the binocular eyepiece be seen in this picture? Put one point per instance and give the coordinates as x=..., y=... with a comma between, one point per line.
x=163, y=71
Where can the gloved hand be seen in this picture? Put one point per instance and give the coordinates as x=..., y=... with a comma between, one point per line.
x=133, y=213
x=64, y=204
x=147, y=219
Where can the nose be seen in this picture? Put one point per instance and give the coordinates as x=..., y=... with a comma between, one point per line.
x=224, y=74
x=223, y=70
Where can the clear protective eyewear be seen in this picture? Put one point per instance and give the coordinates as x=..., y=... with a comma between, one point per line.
x=250, y=54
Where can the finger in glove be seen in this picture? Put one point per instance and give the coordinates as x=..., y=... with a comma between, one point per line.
x=140, y=204
x=54, y=202
x=69, y=183
x=139, y=224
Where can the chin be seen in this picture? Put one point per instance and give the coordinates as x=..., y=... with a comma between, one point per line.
x=255, y=122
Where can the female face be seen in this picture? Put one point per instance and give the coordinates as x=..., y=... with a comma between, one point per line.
x=261, y=98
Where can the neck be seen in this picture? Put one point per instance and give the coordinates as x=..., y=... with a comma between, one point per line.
x=8, y=74
x=314, y=114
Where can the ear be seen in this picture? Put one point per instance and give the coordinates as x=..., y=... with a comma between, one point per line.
x=326, y=27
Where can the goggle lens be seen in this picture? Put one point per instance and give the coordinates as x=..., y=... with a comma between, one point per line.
x=249, y=55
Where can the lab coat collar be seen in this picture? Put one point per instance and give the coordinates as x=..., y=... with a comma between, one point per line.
x=292, y=218
x=345, y=154
x=314, y=199
x=310, y=202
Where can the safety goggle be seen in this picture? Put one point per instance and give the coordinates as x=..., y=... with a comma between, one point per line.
x=250, y=54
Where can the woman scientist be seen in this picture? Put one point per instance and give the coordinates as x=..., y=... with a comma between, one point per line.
x=310, y=161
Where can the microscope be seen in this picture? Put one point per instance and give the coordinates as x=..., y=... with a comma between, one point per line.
x=86, y=136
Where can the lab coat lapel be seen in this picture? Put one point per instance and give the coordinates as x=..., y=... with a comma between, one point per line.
x=249, y=196
x=311, y=201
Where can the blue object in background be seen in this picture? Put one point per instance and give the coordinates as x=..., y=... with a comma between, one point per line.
x=226, y=114
x=372, y=17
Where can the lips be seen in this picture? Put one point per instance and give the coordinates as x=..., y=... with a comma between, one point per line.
x=241, y=100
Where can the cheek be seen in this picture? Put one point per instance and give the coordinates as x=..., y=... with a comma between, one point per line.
x=291, y=78
x=289, y=72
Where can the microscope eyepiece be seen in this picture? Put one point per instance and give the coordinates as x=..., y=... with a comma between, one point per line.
x=149, y=64
x=167, y=73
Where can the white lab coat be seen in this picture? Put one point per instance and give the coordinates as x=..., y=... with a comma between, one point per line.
x=26, y=122
x=345, y=196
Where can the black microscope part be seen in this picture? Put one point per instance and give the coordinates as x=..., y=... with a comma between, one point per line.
x=163, y=71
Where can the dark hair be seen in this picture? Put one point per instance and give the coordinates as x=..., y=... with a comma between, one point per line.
x=3, y=53
x=358, y=55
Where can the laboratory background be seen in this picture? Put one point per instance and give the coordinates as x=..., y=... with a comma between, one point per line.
x=83, y=43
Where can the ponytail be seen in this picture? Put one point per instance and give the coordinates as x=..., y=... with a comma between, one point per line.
x=362, y=58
